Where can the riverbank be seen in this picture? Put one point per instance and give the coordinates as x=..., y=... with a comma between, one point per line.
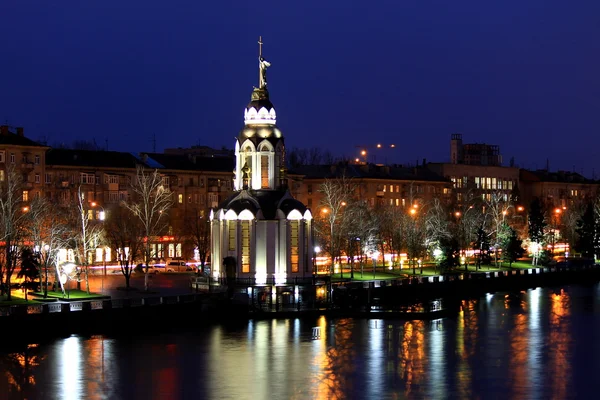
x=351, y=300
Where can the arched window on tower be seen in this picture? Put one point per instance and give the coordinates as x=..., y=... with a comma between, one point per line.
x=248, y=157
x=264, y=167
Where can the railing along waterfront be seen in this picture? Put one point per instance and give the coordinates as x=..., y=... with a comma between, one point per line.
x=95, y=305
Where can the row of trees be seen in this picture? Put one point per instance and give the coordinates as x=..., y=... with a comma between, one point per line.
x=489, y=228
x=32, y=233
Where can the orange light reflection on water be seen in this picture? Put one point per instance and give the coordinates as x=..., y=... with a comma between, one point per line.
x=558, y=343
x=333, y=359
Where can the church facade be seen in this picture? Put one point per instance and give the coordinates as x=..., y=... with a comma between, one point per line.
x=264, y=232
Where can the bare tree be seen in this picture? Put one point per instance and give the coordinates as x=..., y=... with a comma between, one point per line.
x=311, y=156
x=468, y=219
x=125, y=234
x=391, y=229
x=48, y=232
x=197, y=229
x=151, y=204
x=437, y=223
x=13, y=223
x=359, y=226
x=416, y=237
x=336, y=194
x=88, y=235
x=497, y=207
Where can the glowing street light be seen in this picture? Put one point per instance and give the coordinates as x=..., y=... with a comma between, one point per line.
x=317, y=249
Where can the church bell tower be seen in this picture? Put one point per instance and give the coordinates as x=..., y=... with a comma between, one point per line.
x=260, y=149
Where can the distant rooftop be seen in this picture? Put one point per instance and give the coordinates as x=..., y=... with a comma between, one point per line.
x=17, y=138
x=367, y=171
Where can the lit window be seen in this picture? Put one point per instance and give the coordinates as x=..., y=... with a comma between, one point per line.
x=25, y=195
x=294, y=245
x=180, y=198
x=232, y=226
x=245, y=246
x=264, y=172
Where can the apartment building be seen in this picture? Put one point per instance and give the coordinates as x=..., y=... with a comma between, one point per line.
x=378, y=184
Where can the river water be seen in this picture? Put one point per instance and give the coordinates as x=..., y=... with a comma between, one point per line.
x=537, y=344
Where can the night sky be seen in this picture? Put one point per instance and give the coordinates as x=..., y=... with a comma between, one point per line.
x=520, y=74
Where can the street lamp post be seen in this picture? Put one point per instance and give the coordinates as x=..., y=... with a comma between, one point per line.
x=316, y=251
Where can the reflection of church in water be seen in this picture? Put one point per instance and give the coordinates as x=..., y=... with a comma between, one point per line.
x=266, y=231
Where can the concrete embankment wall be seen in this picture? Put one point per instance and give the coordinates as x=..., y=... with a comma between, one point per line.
x=165, y=314
x=478, y=284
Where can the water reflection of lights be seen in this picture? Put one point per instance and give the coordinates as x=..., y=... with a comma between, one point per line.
x=437, y=359
x=535, y=369
x=70, y=363
x=463, y=372
x=559, y=337
x=412, y=354
x=333, y=361
x=376, y=358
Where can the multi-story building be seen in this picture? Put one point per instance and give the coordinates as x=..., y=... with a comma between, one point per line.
x=25, y=157
x=378, y=184
x=470, y=181
x=473, y=153
x=104, y=178
x=556, y=189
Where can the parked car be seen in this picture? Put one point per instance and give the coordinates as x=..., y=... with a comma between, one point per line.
x=173, y=265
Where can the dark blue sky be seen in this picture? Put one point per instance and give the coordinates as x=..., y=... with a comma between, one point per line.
x=520, y=74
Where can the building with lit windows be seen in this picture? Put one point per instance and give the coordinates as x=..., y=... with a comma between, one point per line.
x=261, y=227
x=471, y=181
x=557, y=189
x=197, y=184
x=473, y=153
x=25, y=157
x=379, y=185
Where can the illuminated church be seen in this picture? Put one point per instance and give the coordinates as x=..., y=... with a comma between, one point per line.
x=261, y=226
